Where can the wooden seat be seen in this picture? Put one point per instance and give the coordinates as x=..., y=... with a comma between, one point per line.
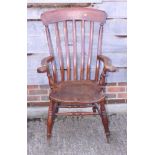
x=82, y=91
x=76, y=68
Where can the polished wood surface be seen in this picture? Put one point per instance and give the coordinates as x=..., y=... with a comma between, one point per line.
x=79, y=91
x=72, y=14
x=75, y=87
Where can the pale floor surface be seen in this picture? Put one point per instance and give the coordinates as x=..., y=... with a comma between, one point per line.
x=78, y=136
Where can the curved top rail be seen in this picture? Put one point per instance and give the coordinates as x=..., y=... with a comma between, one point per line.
x=87, y=14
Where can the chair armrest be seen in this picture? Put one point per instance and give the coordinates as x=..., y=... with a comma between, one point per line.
x=46, y=60
x=44, y=63
x=42, y=69
x=107, y=63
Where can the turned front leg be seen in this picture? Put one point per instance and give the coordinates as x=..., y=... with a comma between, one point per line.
x=50, y=120
x=104, y=118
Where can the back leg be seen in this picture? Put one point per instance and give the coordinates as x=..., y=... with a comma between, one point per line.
x=104, y=118
x=94, y=108
x=57, y=108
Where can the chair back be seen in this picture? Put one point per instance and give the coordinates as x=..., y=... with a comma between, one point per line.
x=74, y=37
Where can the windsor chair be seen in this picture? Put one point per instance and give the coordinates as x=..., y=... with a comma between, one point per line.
x=76, y=68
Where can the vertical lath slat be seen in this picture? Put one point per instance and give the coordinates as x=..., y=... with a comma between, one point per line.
x=51, y=50
x=67, y=49
x=74, y=51
x=82, y=49
x=90, y=49
x=97, y=70
x=100, y=40
x=58, y=42
x=54, y=72
x=99, y=51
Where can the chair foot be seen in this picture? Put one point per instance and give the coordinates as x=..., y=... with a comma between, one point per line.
x=106, y=127
x=104, y=119
x=50, y=120
x=107, y=137
x=57, y=108
x=94, y=109
x=49, y=136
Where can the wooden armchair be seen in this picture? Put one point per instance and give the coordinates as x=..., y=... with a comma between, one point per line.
x=73, y=82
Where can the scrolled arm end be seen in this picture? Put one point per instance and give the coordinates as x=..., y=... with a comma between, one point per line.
x=107, y=63
x=44, y=63
x=111, y=68
x=42, y=69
